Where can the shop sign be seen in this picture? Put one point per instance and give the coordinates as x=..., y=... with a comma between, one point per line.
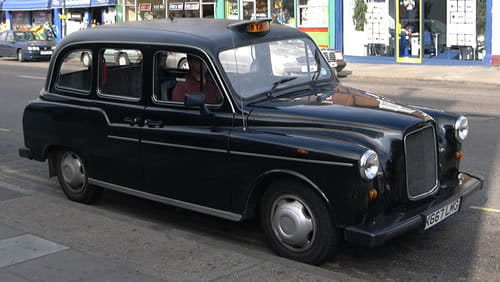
x=157, y=7
x=176, y=6
x=192, y=6
x=145, y=7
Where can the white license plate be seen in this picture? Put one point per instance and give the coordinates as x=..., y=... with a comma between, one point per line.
x=45, y=52
x=439, y=215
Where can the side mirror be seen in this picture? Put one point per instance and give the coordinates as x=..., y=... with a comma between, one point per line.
x=196, y=100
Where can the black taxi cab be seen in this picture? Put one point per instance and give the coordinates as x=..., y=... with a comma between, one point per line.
x=256, y=125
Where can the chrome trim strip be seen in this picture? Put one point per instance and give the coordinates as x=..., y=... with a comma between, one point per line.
x=123, y=138
x=184, y=146
x=168, y=201
x=221, y=81
x=291, y=159
x=436, y=185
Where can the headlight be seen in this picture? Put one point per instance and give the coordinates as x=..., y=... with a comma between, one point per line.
x=368, y=165
x=53, y=47
x=461, y=128
x=33, y=48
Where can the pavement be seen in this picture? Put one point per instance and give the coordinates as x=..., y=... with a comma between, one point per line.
x=461, y=74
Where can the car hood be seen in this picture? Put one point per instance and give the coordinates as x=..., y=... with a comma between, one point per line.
x=347, y=115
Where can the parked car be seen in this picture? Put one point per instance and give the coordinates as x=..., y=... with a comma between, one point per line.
x=243, y=134
x=25, y=45
x=124, y=57
x=335, y=58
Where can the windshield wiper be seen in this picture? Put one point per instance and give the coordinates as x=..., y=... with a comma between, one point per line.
x=281, y=81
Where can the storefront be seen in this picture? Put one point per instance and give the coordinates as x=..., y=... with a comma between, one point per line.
x=416, y=31
x=139, y=10
x=24, y=15
x=310, y=16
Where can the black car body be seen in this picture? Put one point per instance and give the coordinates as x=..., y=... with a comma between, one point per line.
x=25, y=45
x=283, y=141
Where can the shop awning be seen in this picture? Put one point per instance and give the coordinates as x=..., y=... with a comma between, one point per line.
x=82, y=3
x=24, y=5
x=95, y=3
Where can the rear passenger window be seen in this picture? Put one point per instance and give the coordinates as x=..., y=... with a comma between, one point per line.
x=120, y=73
x=73, y=73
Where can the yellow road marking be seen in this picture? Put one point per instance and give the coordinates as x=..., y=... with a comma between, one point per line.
x=4, y=130
x=485, y=209
x=7, y=170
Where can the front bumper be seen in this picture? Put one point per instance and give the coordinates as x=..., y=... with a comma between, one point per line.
x=388, y=226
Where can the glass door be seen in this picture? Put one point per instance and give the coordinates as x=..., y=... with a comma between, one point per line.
x=248, y=8
x=208, y=10
x=409, y=31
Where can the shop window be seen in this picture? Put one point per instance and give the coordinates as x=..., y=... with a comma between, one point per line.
x=73, y=73
x=120, y=73
x=184, y=9
x=232, y=12
x=283, y=12
x=151, y=9
x=313, y=13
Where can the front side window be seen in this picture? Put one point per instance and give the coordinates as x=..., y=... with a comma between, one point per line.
x=73, y=74
x=178, y=74
x=256, y=70
x=120, y=73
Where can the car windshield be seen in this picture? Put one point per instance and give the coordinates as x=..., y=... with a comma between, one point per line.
x=28, y=36
x=260, y=69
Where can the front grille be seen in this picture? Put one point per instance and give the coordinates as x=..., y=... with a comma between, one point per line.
x=330, y=56
x=421, y=163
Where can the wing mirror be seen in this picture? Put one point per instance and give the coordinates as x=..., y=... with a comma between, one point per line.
x=196, y=100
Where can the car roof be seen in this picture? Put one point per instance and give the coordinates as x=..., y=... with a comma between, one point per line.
x=212, y=35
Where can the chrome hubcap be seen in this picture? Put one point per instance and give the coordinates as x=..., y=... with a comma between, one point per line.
x=86, y=60
x=293, y=222
x=73, y=172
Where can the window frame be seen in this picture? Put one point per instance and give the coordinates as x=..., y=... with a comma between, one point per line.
x=100, y=54
x=159, y=102
x=71, y=90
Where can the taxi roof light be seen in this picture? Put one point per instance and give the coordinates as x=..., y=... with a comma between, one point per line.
x=258, y=27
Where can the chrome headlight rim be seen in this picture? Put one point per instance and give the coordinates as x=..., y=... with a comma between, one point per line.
x=369, y=165
x=461, y=128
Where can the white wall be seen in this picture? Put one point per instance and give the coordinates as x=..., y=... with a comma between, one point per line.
x=495, y=25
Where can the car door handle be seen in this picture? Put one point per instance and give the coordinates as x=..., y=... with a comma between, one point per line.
x=153, y=123
x=132, y=120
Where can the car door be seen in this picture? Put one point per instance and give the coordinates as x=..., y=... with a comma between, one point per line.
x=185, y=150
x=120, y=99
x=3, y=36
x=10, y=45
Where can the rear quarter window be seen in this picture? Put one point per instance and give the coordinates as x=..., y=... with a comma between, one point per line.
x=74, y=74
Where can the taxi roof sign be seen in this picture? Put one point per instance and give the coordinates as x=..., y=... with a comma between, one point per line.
x=258, y=26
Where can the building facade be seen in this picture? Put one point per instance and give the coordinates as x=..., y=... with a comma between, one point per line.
x=60, y=16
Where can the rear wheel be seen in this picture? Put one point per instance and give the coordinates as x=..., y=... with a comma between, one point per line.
x=183, y=64
x=20, y=55
x=73, y=177
x=297, y=223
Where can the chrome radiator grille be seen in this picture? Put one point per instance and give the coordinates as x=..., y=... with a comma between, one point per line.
x=330, y=56
x=421, y=162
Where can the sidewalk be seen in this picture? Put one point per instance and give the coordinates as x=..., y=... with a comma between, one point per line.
x=463, y=74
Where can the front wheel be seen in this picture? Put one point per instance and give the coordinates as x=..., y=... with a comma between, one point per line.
x=297, y=223
x=20, y=56
x=73, y=178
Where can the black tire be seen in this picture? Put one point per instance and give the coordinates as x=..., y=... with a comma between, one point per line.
x=122, y=59
x=73, y=178
x=86, y=59
x=20, y=56
x=323, y=241
x=183, y=64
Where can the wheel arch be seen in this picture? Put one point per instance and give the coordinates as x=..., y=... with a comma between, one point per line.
x=264, y=181
x=50, y=154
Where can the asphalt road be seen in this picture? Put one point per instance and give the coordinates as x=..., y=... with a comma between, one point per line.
x=139, y=235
